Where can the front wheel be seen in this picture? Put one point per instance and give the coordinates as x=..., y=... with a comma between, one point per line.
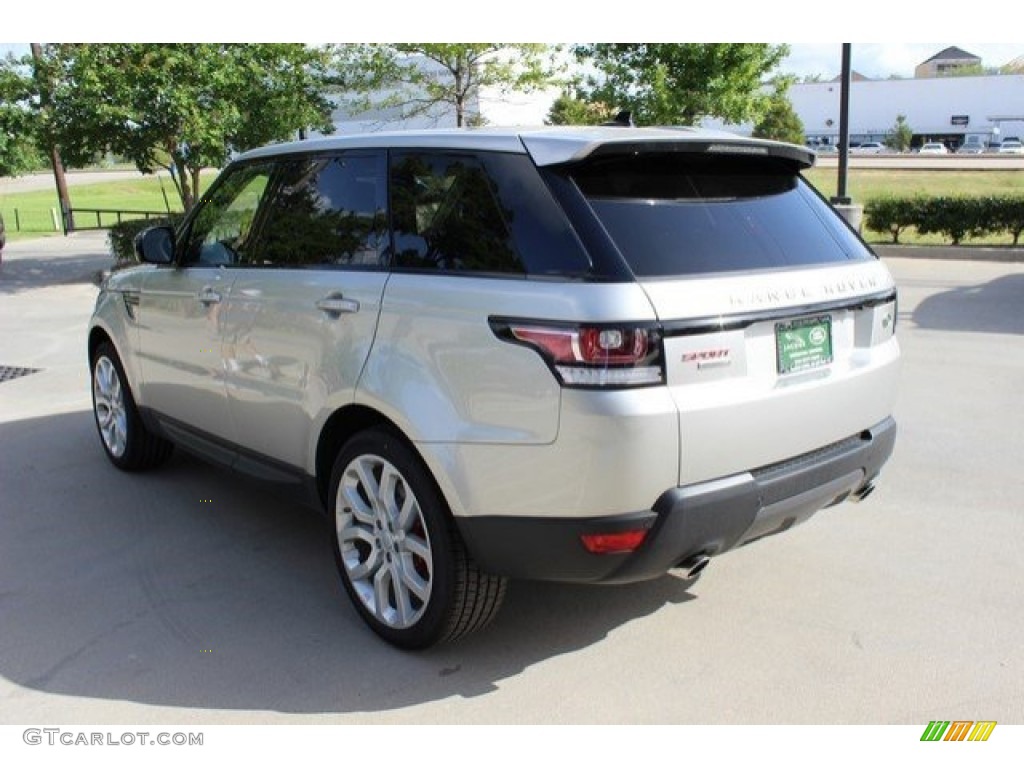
x=398, y=552
x=127, y=442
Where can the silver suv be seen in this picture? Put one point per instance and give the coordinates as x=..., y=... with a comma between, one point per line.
x=583, y=355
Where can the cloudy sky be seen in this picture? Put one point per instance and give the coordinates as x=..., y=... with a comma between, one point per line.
x=879, y=60
x=874, y=60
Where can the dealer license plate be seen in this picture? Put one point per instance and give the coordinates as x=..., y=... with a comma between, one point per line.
x=803, y=344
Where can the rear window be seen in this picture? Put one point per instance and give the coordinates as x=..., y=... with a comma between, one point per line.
x=685, y=214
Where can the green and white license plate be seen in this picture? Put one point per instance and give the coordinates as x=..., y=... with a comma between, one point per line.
x=801, y=345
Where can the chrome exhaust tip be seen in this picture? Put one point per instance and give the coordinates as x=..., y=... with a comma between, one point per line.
x=862, y=493
x=693, y=565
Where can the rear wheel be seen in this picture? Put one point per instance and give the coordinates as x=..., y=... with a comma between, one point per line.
x=398, y=552
x=127, y=442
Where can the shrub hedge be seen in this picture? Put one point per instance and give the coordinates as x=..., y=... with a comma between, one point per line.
x=121, y=237
x=956, y=218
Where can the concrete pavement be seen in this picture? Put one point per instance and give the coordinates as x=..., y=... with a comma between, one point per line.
x=192, y=595
x=47, y=290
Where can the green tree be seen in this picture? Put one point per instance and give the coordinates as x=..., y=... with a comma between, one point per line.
x=569, y=109
x=899, y=136
x=780, y=121
x=681, y=83
x=19, y=151
x=183, y=107
x=425, y=79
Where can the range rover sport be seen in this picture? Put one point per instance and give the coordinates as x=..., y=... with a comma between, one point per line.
x=583, y=354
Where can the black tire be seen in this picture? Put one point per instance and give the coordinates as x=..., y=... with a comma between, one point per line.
x=123, y=435
x=398, y=552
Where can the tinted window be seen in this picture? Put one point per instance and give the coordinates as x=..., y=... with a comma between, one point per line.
x=327, y=210
x=446, y=216
x=225, y=227
x=686, y=214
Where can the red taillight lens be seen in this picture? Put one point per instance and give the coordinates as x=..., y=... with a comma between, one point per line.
x=594, y=356
x=613, y=543
x=614, y=346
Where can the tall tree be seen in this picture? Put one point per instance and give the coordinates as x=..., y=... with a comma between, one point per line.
x=183, y=107
x=780, y=121
x=569, y=109
x=19, y=151
x=426, y=79
x=681, y=83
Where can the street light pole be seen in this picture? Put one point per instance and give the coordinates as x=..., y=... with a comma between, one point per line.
x=68, y=222
x=841, y=197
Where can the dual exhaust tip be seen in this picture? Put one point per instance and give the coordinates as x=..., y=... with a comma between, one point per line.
x=862, y=493
x=691, y=567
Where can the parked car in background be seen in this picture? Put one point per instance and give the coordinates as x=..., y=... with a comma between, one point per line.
x=870, y=148
x=934, y=148
x=579, y=354
x=1011, y=147
x=826, y=149
x=971, y=148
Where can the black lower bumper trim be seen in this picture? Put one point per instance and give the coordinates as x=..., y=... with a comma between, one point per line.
x=707, y=518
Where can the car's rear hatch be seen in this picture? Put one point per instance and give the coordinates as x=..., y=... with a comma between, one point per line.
x=778, y=321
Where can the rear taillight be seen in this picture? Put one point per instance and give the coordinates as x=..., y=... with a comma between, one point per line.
x=600, y=356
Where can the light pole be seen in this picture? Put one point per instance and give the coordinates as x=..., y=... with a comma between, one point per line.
x=842, y=202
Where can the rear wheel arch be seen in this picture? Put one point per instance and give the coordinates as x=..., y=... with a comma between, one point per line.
x=342, y=425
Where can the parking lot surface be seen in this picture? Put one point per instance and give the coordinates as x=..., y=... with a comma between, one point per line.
x=191, y=595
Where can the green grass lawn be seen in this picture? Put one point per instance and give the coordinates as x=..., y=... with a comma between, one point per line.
x=863, y=184
x=136, y=194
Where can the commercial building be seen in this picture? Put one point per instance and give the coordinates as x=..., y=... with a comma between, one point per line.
x=947, y=109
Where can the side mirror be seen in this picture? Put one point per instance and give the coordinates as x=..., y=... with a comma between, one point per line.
x=155, y=245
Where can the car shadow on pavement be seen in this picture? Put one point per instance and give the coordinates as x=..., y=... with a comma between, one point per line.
x=993, y=307
x=17, y=275
x=194, y=587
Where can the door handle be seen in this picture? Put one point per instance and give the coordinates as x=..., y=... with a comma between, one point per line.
x=209, y=296
x=335, y=305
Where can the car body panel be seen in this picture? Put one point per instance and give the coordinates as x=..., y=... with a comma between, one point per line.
x=438, y=369
x=180, y=346
x=287, y=360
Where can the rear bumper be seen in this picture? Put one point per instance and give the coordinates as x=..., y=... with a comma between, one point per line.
x=705, y=518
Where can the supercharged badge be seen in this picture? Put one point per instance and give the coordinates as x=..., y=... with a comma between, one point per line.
x=708, y=358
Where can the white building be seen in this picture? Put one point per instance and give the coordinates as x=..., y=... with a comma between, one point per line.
x=947, y=109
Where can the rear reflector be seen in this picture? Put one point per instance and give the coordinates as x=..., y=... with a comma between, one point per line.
x=613, y=543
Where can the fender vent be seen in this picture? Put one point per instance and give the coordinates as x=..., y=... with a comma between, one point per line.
x=9, y=373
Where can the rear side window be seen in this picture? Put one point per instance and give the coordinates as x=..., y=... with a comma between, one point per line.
x=447, y=216
x=479, y=213
x=685, y=214
x=328, y=210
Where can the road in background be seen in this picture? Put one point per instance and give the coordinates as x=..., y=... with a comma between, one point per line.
x=36, y=181
x=192, y=595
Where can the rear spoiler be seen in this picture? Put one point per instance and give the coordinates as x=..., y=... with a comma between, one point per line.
x=545, y=154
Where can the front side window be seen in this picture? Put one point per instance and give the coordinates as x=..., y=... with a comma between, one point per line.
x=225, y=228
